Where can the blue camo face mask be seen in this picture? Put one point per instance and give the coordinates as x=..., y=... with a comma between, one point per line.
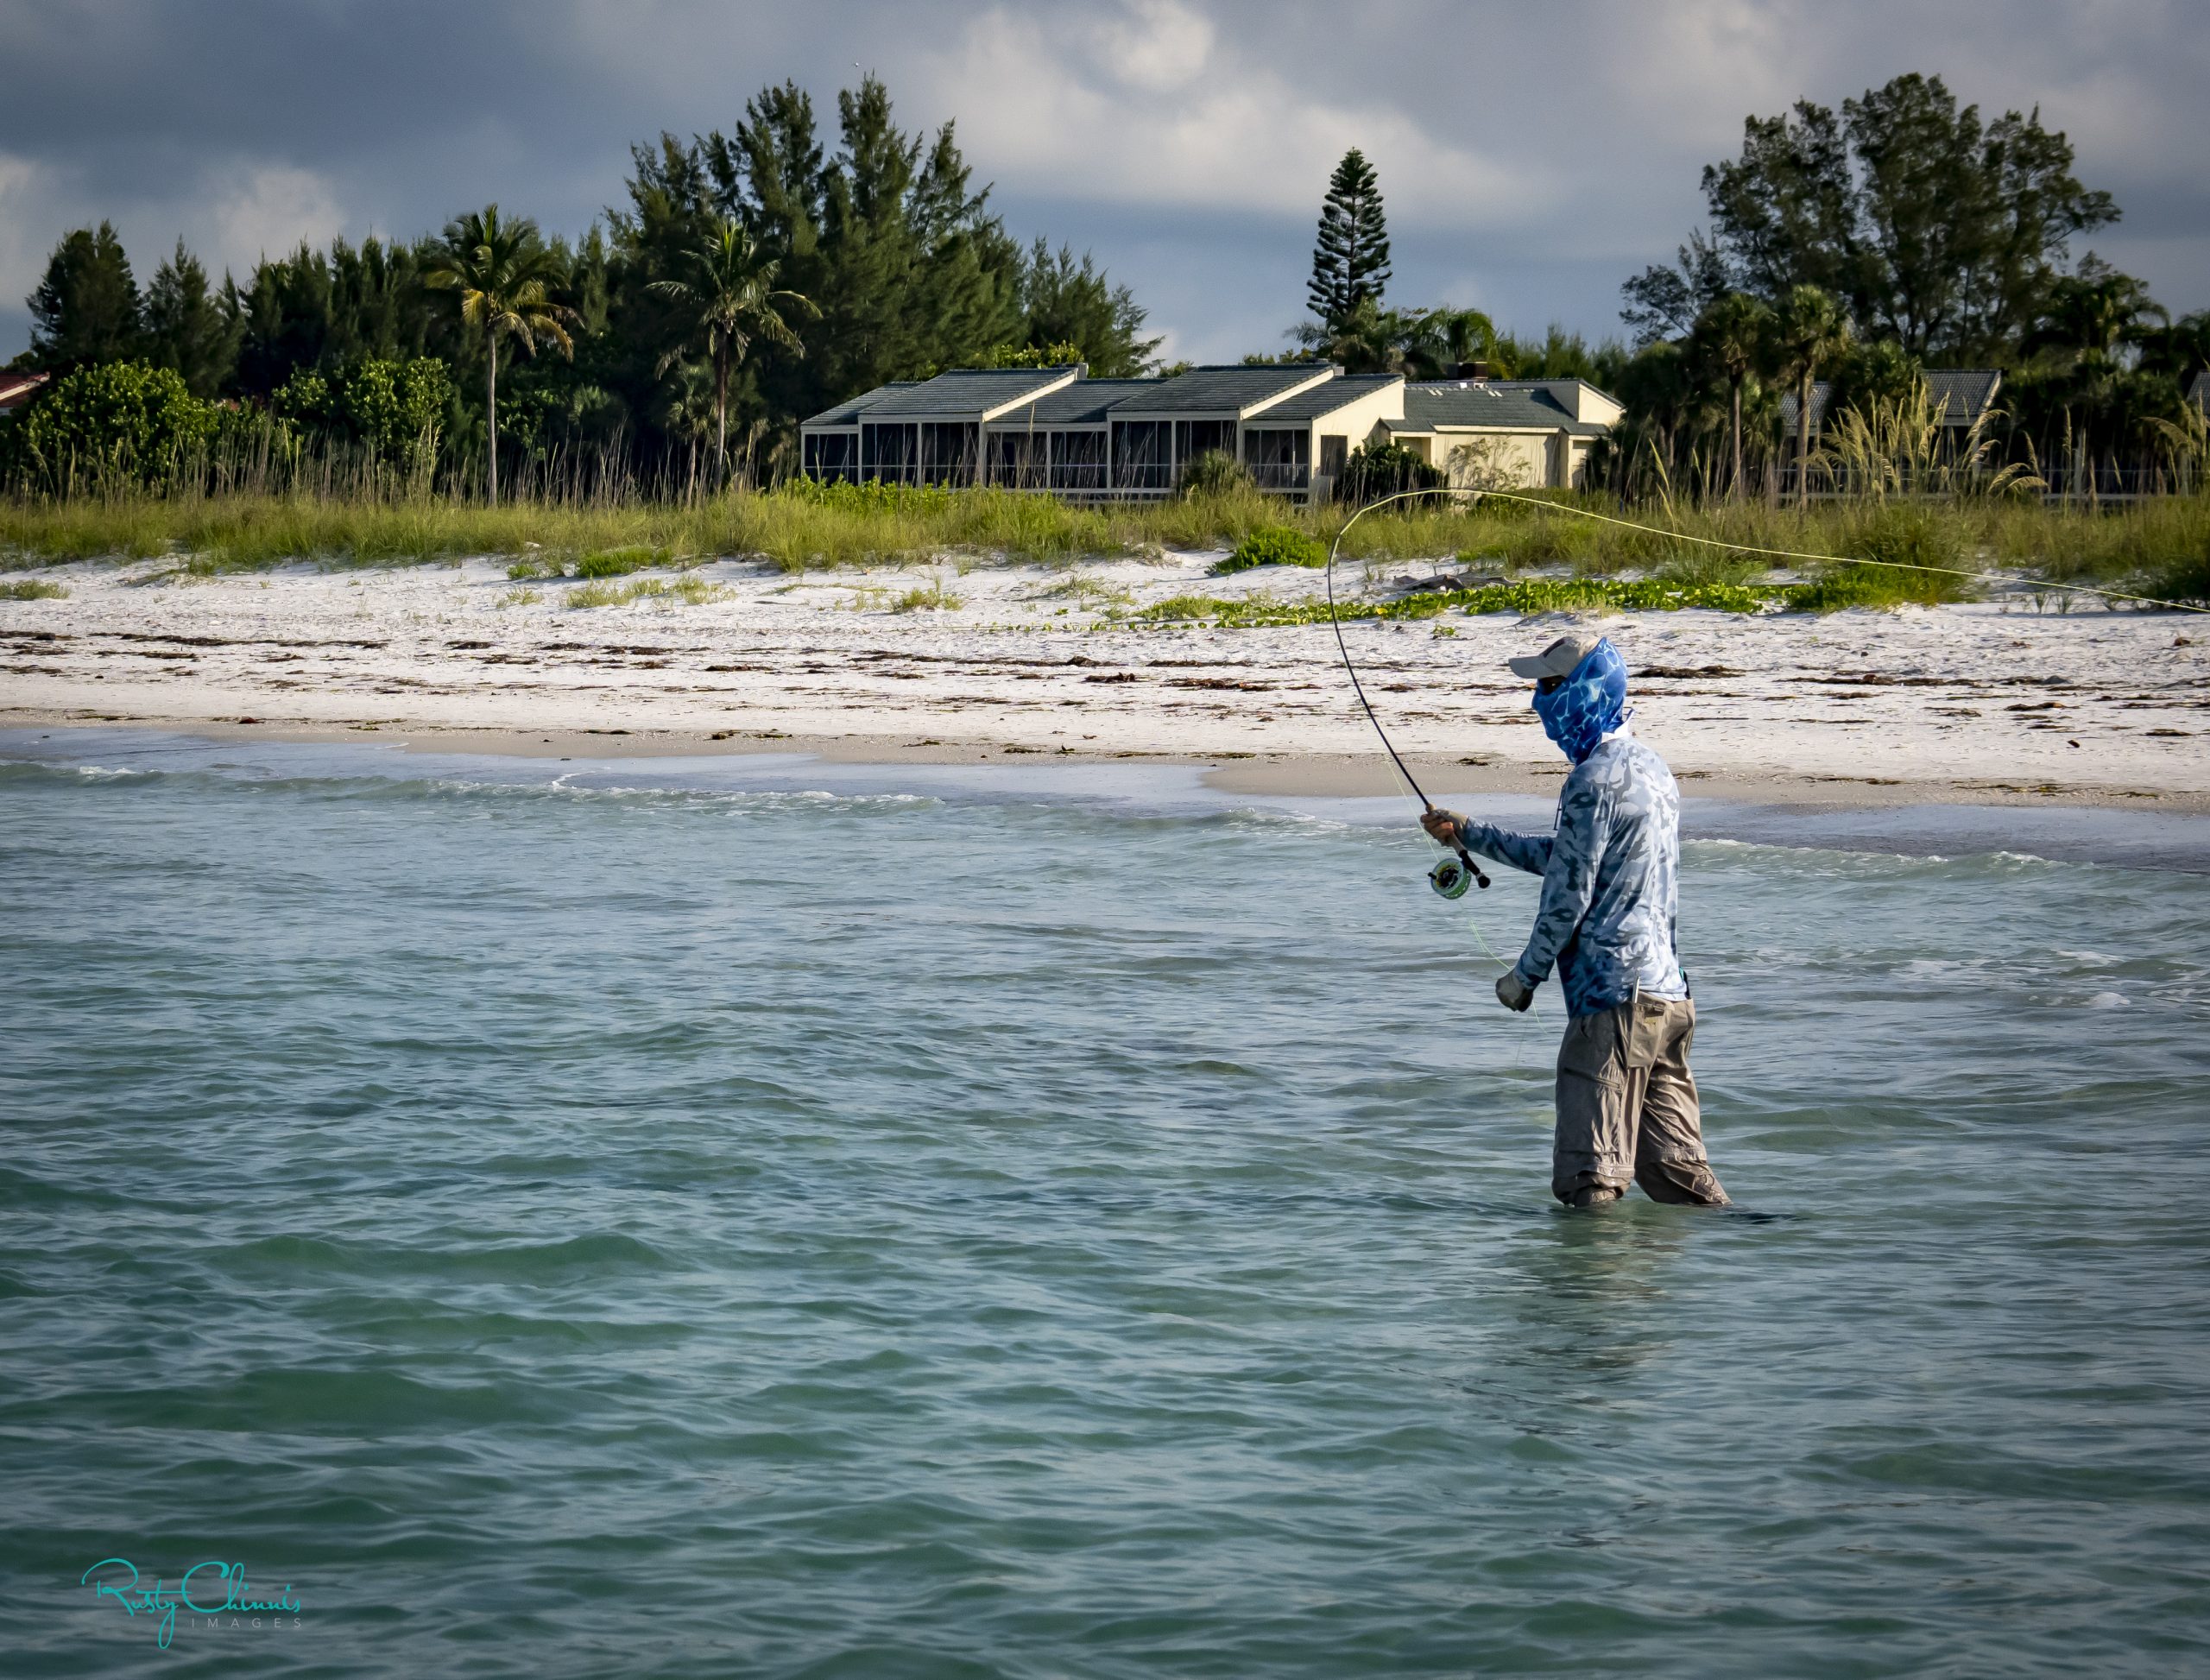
x=1587, y=705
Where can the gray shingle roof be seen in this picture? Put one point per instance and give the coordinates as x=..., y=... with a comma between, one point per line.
x=1558, y=390
x=1082, y=403
x=964, y=394
x=1233, y=389
x=1821, y=393
x=847, y=413
x=1325, y=399
x=1962, y=394
x=1467, y=402
x=1958, y=396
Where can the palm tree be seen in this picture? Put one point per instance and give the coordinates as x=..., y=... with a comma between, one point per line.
x=2180, y=347
x=1732, y=333
x=503, y=270
x=730, y=299
x=2089, y=316
x=688, y=413
x=1810, y=332
x=1438, y=342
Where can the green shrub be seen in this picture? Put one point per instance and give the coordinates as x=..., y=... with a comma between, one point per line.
x=620, y=562
x=1896, y=540
x=1272, y=545
x=1214, y=472
x=1376, y=470
x=934, y=598
x=597, y=595
x=2184, y=580
x=32, y=589
x=396, y=410
x=118, y=420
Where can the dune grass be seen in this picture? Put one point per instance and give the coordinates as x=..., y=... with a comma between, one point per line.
x=687, y=591
x=32, y=589
x=2160, y=545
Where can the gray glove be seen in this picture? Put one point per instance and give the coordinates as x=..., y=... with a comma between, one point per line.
x=1448, y=826
x=1513, y=993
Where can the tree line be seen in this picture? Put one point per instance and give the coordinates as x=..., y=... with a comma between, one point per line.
x=751, y=278
x=1859, y=248
x=748, y=280
x=1902, y=233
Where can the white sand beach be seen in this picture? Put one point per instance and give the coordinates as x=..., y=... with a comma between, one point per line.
x=1991, y=703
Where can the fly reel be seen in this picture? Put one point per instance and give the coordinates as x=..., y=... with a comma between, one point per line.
x=1453, y=875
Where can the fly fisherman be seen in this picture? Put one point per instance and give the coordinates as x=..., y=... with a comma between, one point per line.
x=1627, y=1102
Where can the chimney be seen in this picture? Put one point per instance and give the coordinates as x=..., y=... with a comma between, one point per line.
x=1477, y=372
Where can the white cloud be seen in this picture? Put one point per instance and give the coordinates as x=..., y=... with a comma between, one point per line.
x=1144, y=107
x=24, y=188
x=254, y=210
x=1155, y=46
x=1531, y=157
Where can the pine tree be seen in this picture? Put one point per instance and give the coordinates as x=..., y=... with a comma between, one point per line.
x=1350, y=258
x=187, y=328
x=85, y=309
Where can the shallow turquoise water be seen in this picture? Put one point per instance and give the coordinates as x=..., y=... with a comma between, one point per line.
x=566, y=1230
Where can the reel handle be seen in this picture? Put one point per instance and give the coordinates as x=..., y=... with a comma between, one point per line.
x=1467, y=858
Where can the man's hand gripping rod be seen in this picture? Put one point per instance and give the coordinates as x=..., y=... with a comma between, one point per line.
x=1450, y=876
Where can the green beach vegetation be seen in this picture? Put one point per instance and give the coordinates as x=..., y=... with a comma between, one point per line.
x=363, y=405
x=2156, y=546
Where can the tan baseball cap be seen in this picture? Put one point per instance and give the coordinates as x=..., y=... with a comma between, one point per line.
x=1561, y=659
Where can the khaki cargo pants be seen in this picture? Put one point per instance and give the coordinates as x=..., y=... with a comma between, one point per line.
x=1626, y=1108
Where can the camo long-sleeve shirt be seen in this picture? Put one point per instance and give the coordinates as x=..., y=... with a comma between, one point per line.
x=1610, y=878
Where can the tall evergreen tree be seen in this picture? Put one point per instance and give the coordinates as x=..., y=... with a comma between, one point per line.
x=1934, y=226
x=1071, y=302
x=187, y=328
x=886, y=235
x=86, y=308
x=1350, y=257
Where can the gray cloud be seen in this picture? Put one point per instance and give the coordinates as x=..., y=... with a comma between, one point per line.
x=1533, y=156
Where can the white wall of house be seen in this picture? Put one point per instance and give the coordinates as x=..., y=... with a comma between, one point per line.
x=1357, y=421
x=1590, y=406
x=1524, y=460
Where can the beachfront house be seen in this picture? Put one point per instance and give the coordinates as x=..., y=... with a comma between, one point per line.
x=1959, y=398
x=1504, y=434
x=17, y=389
x=1291, y=425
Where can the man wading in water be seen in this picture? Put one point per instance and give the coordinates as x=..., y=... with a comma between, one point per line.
x=1627, y=1102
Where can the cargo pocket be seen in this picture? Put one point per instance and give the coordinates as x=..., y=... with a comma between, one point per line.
x=1592, y=1143
x=1646, y=1023
x=1590, y=1050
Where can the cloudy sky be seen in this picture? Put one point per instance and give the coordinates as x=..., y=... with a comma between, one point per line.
x=1532, y=156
